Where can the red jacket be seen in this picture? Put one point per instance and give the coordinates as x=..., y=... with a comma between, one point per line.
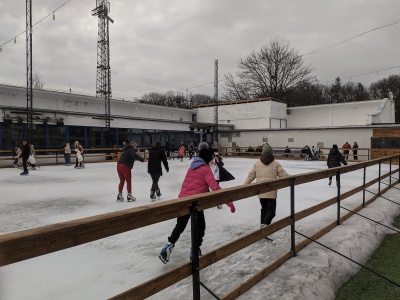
x=199, y=178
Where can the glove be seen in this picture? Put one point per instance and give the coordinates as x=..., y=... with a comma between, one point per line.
x=231, y=206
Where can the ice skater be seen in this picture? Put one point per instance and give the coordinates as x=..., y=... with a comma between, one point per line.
x=181, y=152
x=25, y=156
x=199, y=179
x=156, y=157
x=79, y=148
x=264, y=169
x=334, y=160
x=124, y=167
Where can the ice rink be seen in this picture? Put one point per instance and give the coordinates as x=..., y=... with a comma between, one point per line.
x=107, y=267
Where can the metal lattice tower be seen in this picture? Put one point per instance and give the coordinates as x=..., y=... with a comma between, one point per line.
x=29, y=94
x=103, y=79
x=216, y=99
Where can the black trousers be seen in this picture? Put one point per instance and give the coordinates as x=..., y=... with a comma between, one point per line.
x=268, y=209
x=155, y=177
x=180, y=226
x=24, y=164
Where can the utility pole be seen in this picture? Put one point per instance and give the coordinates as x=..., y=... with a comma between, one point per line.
x=103, y=79
x=29, y=93
x=216, y=99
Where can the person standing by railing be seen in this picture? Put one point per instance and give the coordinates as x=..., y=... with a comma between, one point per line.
x=67, y=154
x=355, y=151
x=264, y=169
x=346, y=150
x=199, y=179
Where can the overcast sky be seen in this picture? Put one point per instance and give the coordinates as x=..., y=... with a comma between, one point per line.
x=161, y=46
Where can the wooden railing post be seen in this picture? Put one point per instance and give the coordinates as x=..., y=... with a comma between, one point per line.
x=390, y=171
x=338, y=197
x=364, y=177
x=379, y=181
x=195, y=251
x=292, y=220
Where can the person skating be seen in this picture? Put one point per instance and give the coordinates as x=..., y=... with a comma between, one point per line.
x=181, y=152
x=334, y=160
x=25, y=156
x=124, y=167
x=355, y=150
x=32, y=157
x=156, y=157
x=79, y=164
x=264, y=169
x=199, y=179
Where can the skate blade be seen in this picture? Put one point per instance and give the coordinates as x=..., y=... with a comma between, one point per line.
x=164, y=260
x=131, y=200
x=269, y=240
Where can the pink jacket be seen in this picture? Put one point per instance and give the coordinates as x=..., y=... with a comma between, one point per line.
x=199, y=178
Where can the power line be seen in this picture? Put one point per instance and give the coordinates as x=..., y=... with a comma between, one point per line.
x=52, y=13
x=326, y=48
x=372, y=72
x=351, y=38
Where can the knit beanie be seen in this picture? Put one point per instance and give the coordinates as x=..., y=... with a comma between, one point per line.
x=267, y=150
x=206, y=155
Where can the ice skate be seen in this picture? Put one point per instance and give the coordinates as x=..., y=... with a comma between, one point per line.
x=165, y=253
x=330, y=182
x=190, y=255
x=152, y=197
x=24, y=173
x=158, y=193
x=219, y=206
x=130, y=198
x=120, y=197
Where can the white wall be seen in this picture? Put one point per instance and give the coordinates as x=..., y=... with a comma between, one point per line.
x=279, y=138
x=341, y=114
x=250, y=115
x=68, y=105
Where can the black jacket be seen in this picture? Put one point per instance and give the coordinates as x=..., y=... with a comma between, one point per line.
x=335, y=158
x=156, y=156
x=26, y=150
x=128, y=156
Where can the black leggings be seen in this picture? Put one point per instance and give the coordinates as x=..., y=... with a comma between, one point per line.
x=181, y=223
x=268, y=209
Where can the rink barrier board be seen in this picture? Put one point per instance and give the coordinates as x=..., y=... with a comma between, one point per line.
x=30, y=243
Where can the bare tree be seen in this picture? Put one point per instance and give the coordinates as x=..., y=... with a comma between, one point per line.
x=37, y=82
x=270, y=72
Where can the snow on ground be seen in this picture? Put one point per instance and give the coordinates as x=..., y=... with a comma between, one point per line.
x=104, y=268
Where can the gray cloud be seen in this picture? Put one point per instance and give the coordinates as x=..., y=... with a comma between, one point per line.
x=158, y=46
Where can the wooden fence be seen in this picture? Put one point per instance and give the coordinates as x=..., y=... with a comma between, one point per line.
x=26, y=244
x=56, y=156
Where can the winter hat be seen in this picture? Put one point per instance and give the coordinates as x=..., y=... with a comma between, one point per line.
x=206, y=155
x=334, y=146
x=267, y=150
x=203, y=145
x=133, y=144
